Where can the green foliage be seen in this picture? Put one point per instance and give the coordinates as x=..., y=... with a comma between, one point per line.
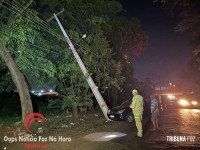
x=8, y=120
x=6, y=83
x=127, y=37
x=85, y=17
x=103, y=52
x=54, y=104
x=20, y=38
x=128, y=40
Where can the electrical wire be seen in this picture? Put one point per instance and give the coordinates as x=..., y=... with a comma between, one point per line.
x=49, y=30
x=31, y=13
x=41, y=25
x=40, y=21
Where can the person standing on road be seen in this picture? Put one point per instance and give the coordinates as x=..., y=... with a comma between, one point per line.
x=137, y=107
x=154, y=112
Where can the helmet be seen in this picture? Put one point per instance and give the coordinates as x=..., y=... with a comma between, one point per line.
x=135, y=91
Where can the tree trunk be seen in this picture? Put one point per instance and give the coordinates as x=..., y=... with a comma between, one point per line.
x=75, y=111
x=20, y=82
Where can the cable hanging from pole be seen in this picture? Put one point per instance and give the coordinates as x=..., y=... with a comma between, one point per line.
x=39, y=19
x=41, y=23
x=33, y=21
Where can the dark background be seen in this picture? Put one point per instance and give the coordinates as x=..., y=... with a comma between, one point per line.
x=168, y=54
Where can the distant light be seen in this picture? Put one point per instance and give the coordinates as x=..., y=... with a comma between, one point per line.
x=32, y=91
x=50, y=90
x=183, y=102
x=42, y=91
x=39, y=94
x=194, y=103
x=84, y=36
x=171, y=96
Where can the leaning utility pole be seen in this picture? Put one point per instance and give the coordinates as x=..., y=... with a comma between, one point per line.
x=91, y=83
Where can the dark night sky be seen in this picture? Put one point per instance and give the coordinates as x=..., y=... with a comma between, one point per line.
x=168, y=53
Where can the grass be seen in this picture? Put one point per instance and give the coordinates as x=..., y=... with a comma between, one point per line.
x=8, y=120
x=55, y=121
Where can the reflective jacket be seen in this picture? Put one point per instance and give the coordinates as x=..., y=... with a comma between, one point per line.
x=137, y=104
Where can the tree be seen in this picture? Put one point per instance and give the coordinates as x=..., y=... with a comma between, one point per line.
x=188, y=13
x=18, y=34
x=128, y=41
x=96, y=18
x=17, y=76
x=85, y=17
x=6, y=84
x=128, y=38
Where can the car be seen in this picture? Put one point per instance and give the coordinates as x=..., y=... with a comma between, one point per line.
x=124, y=113
x=183, y=101
x=189, y=101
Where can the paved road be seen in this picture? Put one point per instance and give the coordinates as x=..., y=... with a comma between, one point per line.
x=179, y=129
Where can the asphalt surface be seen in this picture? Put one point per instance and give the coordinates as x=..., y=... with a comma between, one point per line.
x=175, y=124
x=179, y=129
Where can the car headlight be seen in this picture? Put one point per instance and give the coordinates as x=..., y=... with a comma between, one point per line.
x=120, y=111
x=183, y=102
x=194, y=102
x=171, y=97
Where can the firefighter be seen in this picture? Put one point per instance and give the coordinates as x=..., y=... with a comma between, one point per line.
x=137, y=107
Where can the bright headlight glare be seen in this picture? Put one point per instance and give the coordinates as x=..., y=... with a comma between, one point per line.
x=194, y=103
x=183, y=102
x=171, y=97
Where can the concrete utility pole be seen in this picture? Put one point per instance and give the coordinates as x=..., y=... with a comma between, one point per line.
x=90, y=81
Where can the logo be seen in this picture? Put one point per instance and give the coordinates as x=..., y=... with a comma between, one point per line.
x=31, y=118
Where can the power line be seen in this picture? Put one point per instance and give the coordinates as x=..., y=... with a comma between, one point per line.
x=31, y=21
x=39, y=19
x=45, y=27
x=39, y=24
x=47, y=30
x=29, y=13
